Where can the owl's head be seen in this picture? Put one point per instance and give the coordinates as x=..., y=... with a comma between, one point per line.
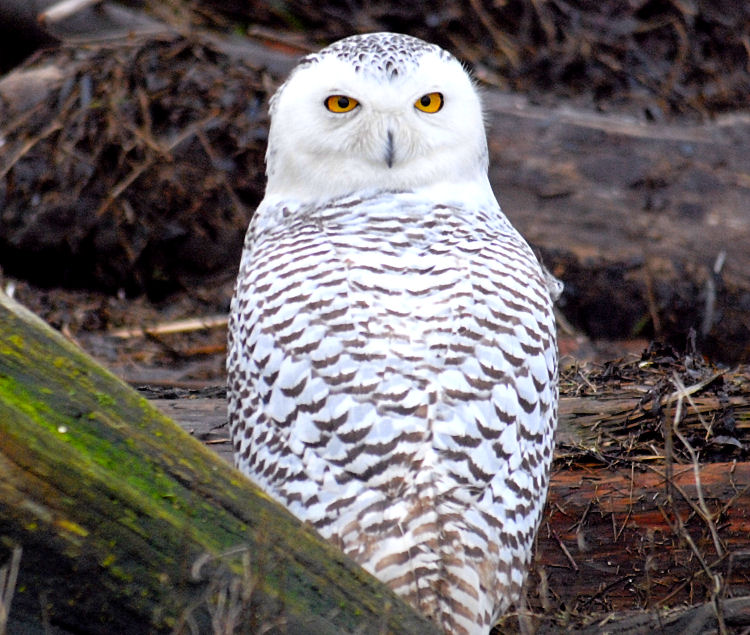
x=376, y=111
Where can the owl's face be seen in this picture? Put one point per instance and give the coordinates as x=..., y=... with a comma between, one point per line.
x=379, y=111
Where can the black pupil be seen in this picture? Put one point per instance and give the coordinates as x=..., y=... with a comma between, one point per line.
x=343, y=102
x=426, y=101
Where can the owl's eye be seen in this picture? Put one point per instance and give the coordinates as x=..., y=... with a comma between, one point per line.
x=431, y=102
x=341, y=103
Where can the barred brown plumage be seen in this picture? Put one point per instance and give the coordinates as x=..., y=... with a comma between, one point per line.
x=392, y=357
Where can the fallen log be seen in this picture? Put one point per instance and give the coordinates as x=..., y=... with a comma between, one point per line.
x=588, y=424
x=646, y=223
x=126, y=524
x=633, y=527
x=731, y=615
x=636, y=538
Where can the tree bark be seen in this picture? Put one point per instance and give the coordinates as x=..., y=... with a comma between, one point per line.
x=127, y=524
x=616, y=539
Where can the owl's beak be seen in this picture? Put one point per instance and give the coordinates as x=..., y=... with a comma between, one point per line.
x=389, y=152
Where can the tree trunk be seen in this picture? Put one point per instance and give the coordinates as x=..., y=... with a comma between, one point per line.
x=127, y=524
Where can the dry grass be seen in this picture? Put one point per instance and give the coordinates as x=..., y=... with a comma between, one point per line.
x=8, y=578
x=645, y=528
x=230, y=603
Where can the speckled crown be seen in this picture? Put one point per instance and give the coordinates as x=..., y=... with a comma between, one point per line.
x=386, y=54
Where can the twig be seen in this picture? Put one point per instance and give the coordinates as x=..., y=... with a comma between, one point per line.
x=682, y=392
x=564, y=550
x=587, y=382
x=8, y=578
x=49, y=130
x=630, y=504
x=709, y=311
x=22, y=120
x=667, y=86
x=668, y=460
x=705, y=513
x=280, y=40
x=175, y=326
x=578, y=525
x=221, y=441
x=64, y=9
x=148, y=162
x=502, y=41
x=601, y=593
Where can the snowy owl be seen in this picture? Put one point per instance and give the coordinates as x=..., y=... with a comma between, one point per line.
x=392, y=353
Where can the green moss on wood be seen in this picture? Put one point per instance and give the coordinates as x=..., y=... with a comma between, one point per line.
x=113, y=504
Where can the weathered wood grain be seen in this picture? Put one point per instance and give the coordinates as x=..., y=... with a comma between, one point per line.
x=129, y=525
x=610, y=539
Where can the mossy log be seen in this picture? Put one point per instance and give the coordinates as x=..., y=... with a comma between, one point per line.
x=127, y=524
x=612, y=546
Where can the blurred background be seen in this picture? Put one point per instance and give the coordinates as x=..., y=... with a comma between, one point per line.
x=132, y=141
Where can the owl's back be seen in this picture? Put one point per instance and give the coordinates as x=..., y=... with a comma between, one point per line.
x=393, y=381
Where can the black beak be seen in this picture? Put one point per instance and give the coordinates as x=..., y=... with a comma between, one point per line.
x=389, y=149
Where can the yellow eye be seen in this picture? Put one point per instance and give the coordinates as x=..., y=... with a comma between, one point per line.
x=431, y=102
x=341, y=103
